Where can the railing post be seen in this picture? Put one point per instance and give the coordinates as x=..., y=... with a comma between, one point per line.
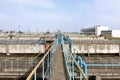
x=80, y=73
x=69, y=66
x=43, y=70
x=48, y=64
x=73, y=69
x=35, y=71
x=80, y=76
x=35, y=75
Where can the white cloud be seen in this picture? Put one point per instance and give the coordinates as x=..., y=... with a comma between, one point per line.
x=103, y=12
x=35, y=3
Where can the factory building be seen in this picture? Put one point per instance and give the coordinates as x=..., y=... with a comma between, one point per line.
x=101, y=31
x=96, y=30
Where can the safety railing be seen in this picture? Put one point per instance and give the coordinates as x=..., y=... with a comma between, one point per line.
x=66, y=59
x=46, y=71
x=70, y=63
x=69, y=59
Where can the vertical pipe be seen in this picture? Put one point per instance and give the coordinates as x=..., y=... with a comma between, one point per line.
x=80, y=73
x=80, y=76
x=48, y=66
x=35, y=75
x=88, y=49
x=43, y=70
x=73, y=64
x=70, y=71
x=119, y=49
x=84, y=66
x=81, y=67
x=73, y=68
x=35, y=71
x=50, y=62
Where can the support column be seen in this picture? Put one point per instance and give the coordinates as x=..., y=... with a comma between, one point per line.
x=35, y=71
x=98, y=78
x=43, y=70
x=88, y=46
x=119, y=49
x=35, y=75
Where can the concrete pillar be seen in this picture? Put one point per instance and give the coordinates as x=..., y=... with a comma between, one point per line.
x=7, y=49
x=88, y=46
x=98, y=78
x=119, y=49
x=95, y=48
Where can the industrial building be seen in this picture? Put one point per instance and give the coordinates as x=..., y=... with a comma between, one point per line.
x=101, y=31
x=96, y=30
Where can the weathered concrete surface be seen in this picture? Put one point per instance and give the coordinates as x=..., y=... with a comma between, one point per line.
x=79, y=48
x=16, y=65
x=95, y=48
x=22, y=48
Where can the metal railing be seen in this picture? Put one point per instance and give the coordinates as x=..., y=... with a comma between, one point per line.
x=69, y=59
x=49, y=55
x=70, y=63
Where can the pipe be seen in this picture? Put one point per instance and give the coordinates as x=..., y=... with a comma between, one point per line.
x=82, y=63
x=103, y=64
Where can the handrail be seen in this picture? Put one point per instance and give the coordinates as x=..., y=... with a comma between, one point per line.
x=34, y=58
x=66, y=54
x=40, y=53
x=51, y=51
x=79, y=67
x=39, y=63
x=33, y=71
x=65, y=58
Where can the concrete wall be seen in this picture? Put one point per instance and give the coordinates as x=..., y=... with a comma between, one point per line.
x=22, y=48
x=95, y=48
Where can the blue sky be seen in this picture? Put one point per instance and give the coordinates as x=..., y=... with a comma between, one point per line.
x=54, y=15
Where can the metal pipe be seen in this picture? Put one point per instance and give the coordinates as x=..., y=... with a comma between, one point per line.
x=35, y=75
x=82, y=64
x=43, y=70
x=73, y=70
x=103, y=64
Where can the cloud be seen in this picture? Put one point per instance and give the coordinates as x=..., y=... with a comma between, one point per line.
x=23, y=13
x=103, y=12
x=17, y=7
x=35, y=3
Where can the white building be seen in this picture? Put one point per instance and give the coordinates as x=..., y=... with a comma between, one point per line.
x=96, y=30
x=115, y=33
x=99, y=29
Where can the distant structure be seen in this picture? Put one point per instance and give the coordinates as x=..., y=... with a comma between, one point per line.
x=96, y=30
x=111, y=33
x=101, y=31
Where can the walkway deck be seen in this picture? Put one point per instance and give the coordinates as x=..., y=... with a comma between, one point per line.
x=58, y=70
